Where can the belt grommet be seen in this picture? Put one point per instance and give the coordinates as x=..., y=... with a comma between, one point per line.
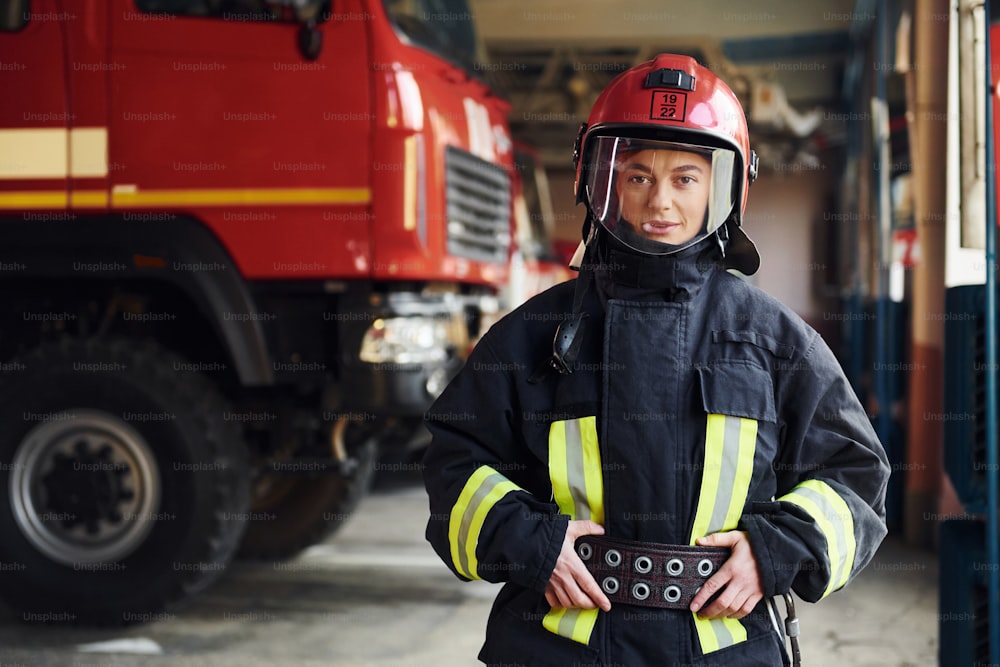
x=705, y=567
x=585, y=551
x=610, y=585
x=640, y=590
x=613, y=557
x=672, y=593
x=643, y=564
x=675, y=566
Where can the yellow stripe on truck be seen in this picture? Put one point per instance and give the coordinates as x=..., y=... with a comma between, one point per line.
x=124, y=196
x=33, y=199
x=131, y=198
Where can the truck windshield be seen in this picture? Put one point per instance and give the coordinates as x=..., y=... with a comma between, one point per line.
x=444, y=27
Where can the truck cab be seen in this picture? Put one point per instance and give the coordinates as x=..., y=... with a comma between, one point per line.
x=243, y=245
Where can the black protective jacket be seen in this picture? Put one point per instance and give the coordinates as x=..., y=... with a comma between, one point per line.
x=697, y=406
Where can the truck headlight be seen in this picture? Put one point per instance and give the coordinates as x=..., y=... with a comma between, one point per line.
x=408, y=340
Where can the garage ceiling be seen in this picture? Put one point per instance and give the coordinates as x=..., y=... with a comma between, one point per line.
x=552, y=57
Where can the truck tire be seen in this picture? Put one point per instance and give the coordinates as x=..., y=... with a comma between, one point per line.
x=123, y=488
x=291, y=512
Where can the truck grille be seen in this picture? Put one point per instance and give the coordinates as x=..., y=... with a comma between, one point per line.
x=478, y=196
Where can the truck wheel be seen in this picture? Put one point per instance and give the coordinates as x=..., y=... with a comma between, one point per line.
x=293, y=511
x=123, y=489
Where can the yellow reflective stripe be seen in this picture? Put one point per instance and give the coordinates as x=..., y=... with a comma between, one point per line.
x=575, y=442
x=575, y=624
x=835, y=521
x=710, y=471
x=592, y=469
x=124, y=196
x=410, y=168
x=578, y=487
x=558, y=474
x=33, y=199
x=88, y=198
x=718, y=633
x=575, y=468
x=730, y=444
x=485, y=487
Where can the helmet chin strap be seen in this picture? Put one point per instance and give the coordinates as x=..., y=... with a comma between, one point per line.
x=722, y=237
x=569, y=336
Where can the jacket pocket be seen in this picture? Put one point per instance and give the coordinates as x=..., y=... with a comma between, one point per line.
x=762, y=341
x=737, y=388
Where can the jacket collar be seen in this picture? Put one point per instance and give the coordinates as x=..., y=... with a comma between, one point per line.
x=622, y=273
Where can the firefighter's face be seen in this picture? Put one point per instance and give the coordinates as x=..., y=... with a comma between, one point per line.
x=664, y=193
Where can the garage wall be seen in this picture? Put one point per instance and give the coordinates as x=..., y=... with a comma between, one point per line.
x=786, y=217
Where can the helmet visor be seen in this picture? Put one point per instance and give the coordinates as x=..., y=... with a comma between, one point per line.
x=659, y=197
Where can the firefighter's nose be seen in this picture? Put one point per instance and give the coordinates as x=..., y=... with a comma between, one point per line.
x=661, y=197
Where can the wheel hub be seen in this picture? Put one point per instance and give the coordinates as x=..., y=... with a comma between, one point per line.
x=85, y=487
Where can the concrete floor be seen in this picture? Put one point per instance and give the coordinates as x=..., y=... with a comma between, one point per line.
x=375, y=595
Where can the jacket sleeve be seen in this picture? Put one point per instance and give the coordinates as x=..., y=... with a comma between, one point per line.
x=828, y=516
x=483, y=523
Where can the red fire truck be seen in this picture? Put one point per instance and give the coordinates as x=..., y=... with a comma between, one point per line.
x=242, y=243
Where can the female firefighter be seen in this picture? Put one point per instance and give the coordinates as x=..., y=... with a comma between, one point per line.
x=651, y=453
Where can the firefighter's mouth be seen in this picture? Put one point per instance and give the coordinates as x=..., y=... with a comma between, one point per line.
x=659, y=226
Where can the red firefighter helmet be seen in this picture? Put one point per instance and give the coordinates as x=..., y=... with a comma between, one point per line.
x=664, y=160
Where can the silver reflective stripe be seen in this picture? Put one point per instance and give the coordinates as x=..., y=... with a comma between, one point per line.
x=575, y=473
x=727, y=475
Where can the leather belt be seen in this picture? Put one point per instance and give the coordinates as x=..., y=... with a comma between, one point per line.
x=649, y=574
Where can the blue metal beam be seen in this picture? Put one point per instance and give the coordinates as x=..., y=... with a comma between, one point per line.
x=785, y=47
x=883, y=235
x=992, y=537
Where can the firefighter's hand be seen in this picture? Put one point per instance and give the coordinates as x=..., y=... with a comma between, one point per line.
x=571, y=584
x=738, y=577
